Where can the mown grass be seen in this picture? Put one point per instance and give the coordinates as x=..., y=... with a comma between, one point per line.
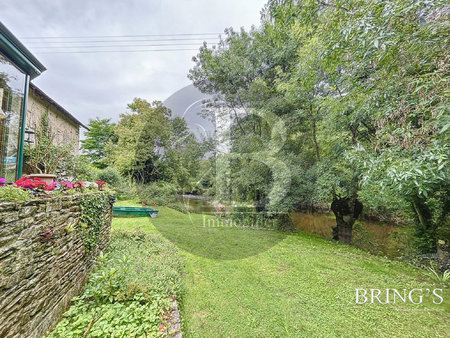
x=255, y=283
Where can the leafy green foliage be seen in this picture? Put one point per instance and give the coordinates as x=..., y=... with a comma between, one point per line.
x=421, y=178
x=433, y=273
x=82, y=169
x=92, y=219
x=362, y=88
x=141, y=133
x=9, y=193
x=160, y=193
x=100, y=133
x=154, y=147
x=130, y=289
x=114, y=320
x=109, y=175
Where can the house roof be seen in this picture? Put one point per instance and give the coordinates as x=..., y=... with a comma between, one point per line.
x=18, y=53
x=39, y=93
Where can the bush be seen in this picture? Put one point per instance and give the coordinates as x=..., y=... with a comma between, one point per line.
x=243, y=216
x=125, y=190
x=247, y=217
x=283, y=221
x=83, y=170
x=161, y=193
x=110, y=175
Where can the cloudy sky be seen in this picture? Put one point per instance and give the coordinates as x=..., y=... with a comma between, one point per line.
x=101, y=84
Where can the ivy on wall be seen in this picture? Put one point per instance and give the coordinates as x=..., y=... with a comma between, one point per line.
x=92, y=220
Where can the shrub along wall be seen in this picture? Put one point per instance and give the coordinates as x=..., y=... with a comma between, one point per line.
x=47, y=247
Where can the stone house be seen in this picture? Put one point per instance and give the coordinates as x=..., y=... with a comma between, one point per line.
x=63, y=124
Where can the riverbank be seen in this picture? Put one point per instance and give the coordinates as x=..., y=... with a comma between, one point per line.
x=379, y=238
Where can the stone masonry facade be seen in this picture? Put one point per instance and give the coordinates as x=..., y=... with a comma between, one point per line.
x=43, y=262
x=65, y=130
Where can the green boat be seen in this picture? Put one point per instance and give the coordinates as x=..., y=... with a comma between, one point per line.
x=134, y=212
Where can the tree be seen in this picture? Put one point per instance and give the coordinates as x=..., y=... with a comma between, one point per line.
x=100, y=133
x=142, y=133
x=362, y=90
x=153, y=147
x=403, y=83
x=183, y=155
x=241, y=73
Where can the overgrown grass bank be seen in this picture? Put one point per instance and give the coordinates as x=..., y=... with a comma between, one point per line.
x=247, y=283
x=130, y=293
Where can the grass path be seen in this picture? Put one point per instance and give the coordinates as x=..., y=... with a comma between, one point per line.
x=253, y=283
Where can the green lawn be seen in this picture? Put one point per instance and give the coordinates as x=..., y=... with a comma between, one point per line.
x=250, y=283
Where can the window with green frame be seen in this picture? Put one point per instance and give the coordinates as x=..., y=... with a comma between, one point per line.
x=12, y=88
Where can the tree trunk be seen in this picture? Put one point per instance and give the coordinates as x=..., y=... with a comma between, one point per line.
x=346, y=210
x=316, y=145
x=425, y=228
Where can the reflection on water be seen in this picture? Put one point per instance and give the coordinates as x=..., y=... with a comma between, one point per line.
x=198, y=204
x=376, y=237
x=315, y=223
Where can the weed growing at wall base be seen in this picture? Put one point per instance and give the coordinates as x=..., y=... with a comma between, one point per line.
x=132, y=287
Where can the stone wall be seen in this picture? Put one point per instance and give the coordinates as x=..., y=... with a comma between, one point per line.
x=43, y=262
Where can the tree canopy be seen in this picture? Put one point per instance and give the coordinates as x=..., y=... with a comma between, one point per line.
x=153, y=146
x=100, y=133
x=362, y=91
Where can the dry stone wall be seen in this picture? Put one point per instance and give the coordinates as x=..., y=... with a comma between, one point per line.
x=43, y=262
